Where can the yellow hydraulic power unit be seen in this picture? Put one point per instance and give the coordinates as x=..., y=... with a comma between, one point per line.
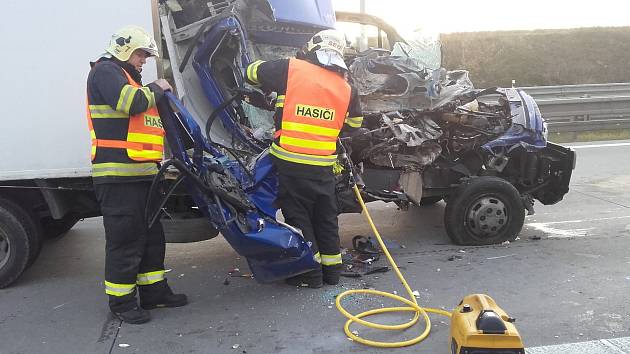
x=479, y=326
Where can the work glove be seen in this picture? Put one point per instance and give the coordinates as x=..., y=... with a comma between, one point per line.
x=256, y=99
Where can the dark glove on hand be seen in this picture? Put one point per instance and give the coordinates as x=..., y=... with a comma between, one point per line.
x=259, y=100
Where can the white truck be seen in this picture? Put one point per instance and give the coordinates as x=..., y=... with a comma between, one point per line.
x=45, y=178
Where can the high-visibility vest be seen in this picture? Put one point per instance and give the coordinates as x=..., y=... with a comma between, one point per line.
x=145, y=134
x=314, y=111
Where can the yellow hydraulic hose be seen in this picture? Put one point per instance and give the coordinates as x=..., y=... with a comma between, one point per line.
x=412, y=304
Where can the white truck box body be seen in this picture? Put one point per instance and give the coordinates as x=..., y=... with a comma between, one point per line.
x=44, y=62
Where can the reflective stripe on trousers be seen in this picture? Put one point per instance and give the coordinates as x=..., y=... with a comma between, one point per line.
x=118, y=289
x=150, y=277
x=328, y=259
x=331, y=259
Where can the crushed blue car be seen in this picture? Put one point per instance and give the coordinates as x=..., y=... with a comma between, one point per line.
x=428, y=134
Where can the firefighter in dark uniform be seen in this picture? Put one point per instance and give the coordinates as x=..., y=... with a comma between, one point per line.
x=314, y=103
x=127, y=145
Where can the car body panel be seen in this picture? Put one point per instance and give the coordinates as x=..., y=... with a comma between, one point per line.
x=273, y=250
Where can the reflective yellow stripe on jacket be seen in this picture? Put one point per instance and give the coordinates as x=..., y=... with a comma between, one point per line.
x=93, y=138
x=325, y=146
x=311, y=129
x=105, y=111
x=283, y=154
x=147, y=139
x=317, y=140
x=280, y=101
x=354, y=122
x=128, y=92
x=252, y=71
x=124, y=169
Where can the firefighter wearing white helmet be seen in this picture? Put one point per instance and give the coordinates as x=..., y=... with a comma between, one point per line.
x=328, y=46
x=315, y=104
x=127, y=145
x=130, y=38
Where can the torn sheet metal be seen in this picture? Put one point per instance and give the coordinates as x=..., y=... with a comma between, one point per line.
x=387, y=83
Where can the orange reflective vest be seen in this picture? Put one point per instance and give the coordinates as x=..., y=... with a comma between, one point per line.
x=145, y=134
x=314, y=110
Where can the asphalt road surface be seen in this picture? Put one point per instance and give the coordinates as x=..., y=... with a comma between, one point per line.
x=566, y=280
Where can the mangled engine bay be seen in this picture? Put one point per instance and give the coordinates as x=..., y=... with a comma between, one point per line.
x=444, y=131
x=427, y=134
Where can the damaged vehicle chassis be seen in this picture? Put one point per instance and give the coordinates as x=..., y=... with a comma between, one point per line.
x=427, y=136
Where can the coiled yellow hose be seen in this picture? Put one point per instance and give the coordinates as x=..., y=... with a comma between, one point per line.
x=412, y=304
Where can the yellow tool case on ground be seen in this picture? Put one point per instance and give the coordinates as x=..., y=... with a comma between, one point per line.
x=479, y=326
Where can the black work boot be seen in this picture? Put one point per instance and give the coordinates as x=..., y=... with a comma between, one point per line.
x=126, y=309
x=160, y=295
x=134, y=316
x=312, y=279
x=331, y=274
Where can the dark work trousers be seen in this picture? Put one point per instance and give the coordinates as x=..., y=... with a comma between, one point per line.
x=131, y=248
x=311, y=205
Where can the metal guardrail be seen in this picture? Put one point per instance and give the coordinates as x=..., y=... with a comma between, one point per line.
x=576, y=91
x=578, y=108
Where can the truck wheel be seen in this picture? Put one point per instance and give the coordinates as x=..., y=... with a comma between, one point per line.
x=30, y=224
x=17, y=233
x=484, y=211
x=53, y=228
x=427, y=201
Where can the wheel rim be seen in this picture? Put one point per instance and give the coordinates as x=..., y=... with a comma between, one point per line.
x=487, y=217
x=5, y=249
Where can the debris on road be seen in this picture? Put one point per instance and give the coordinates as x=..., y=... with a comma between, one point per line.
x=497, y=257
x=361, y=259
x=236, y=273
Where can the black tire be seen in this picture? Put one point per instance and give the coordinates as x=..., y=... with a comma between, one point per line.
x=484, y=211
x=53, y=228
x=30, y=224
x=17, y=249
x=427, y=201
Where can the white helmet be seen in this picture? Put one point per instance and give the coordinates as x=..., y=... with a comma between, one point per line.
x=130, y=38
x=328, y=46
